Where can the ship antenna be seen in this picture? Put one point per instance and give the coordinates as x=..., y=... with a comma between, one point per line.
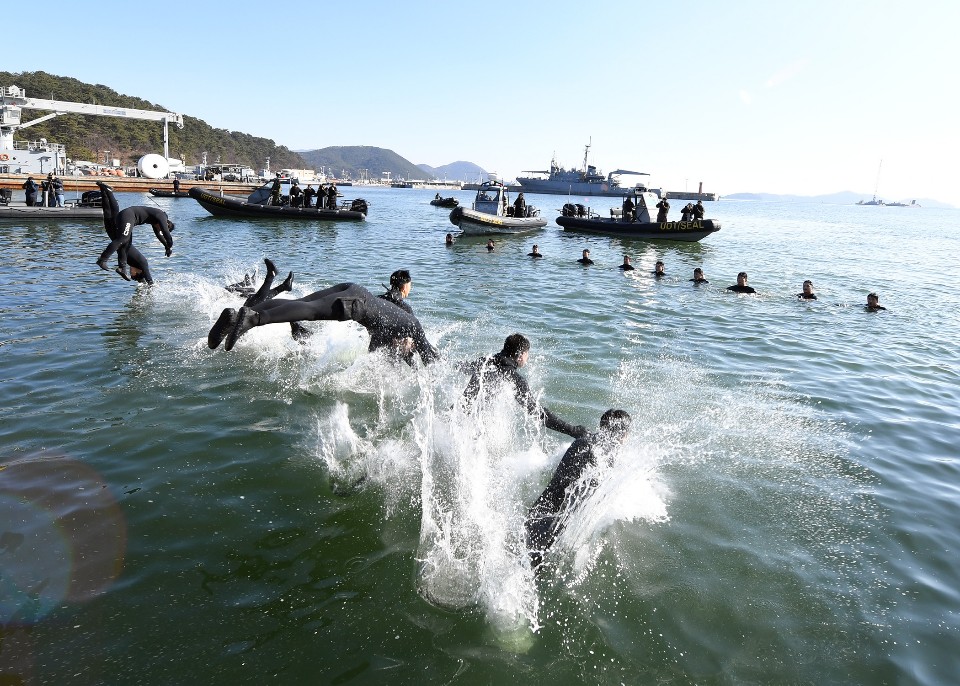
x=877, y=185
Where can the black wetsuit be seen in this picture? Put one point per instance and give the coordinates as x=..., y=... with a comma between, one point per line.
x=804, y=296
x=393, y=295
x=627, y=267
x=585, y=261
x=135, y=216
x=544, y=520
x=741, y=289
x=534, y=254
x=500, y=368
x=698, y=211
x=111, y=212
x=30, y=189
x=874, y=308
x=385, y=322
x=697, y=282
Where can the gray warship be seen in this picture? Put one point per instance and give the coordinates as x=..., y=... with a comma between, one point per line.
x=585, y=181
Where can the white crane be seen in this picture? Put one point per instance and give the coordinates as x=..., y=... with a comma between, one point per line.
x=14, y=99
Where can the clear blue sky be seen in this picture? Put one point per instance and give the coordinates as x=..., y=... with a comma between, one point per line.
x=764, y=96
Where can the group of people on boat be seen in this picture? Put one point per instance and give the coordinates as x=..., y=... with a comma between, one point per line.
x=326, y=195
x=689, y=211
x=48, y=194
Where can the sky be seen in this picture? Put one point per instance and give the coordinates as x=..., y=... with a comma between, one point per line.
x=800, y=98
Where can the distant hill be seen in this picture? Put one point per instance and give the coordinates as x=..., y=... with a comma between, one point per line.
x=455, y=171
x=353, y=161
x=841, y=198
x=128, y=140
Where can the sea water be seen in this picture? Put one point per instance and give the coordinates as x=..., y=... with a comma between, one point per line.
x=784, y=510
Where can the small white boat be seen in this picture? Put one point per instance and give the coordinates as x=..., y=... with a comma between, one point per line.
x=492, y=213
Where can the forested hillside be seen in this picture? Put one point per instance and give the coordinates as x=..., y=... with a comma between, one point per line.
x=127, y=139
x=356, y=161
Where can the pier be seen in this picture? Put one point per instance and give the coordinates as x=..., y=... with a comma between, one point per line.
x=126, y=184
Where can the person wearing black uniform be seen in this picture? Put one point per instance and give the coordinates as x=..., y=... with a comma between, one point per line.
x=266, y=292
x=399, y=290
x=536, y=252
x=662, y=208
x=296, y=195
x=503, y=368
x=547, y=517
x=585, y=260
x=873, y=303
x=698, y=277
x=808, y=293
x=626, y=266
x=332, y=197
x=520, y=206
x=275, y=190
x=628, y=209
x=741, y=286
x=698, y=210
x=30, y=189
x=658, y=271
x=308, y=196
x=686, y=212
x=387, y=324
x=119, y=226
x=176, y=185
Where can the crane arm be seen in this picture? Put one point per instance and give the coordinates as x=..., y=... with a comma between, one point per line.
x=61, y=107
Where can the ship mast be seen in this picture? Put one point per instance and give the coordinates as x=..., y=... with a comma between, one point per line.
x=877, y=185
x=586, y=153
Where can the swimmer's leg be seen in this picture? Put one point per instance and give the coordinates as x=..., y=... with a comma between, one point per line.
x=336, y=303
x=263, y=293
x=110, y=207
x=299, y=332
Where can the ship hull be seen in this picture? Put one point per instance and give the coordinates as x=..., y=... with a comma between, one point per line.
x=222, y=206
x=689, y=231
x=473, y=223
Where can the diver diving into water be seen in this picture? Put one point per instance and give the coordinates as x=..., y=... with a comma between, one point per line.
x=547, y=517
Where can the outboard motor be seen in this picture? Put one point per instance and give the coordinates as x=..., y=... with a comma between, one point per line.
x=91, y=199
x=359, y=205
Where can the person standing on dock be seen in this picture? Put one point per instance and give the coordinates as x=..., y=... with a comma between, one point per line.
x=176, y=185
x=662, y=208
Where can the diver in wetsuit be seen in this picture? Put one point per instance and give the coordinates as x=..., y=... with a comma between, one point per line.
x=119, y=226
x=386, y=323
x=547, y=518
x=266, y=292
x=626, y=266
x=503, y=367
x=400, y=285
x=742, y=286
x=807, y=293
x=698, y=210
